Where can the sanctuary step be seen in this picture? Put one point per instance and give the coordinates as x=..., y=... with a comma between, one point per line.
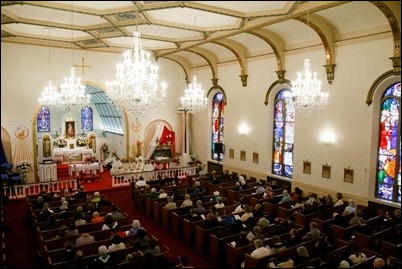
x=62, y=172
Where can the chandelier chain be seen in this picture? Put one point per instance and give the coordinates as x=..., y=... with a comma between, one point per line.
x=306, y=94
x=194, y=99
x=72, y=93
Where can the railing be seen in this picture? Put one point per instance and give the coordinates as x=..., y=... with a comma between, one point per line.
x=21, y=191
x=125, y=179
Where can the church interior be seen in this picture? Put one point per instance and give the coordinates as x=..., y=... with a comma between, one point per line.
x=306, y=94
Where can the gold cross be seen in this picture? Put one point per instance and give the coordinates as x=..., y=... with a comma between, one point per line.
x=83, y=65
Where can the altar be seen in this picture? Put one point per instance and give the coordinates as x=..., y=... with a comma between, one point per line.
x=93, y=168
x=66, y=155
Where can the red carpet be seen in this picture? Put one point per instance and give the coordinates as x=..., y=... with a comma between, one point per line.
x=104, y=183
x=62, y=172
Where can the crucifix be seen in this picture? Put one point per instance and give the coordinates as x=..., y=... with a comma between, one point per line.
x=83, y=65
x=185, y=157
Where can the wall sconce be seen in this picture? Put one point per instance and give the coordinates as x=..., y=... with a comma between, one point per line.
x=327, y=137
x=243, y=129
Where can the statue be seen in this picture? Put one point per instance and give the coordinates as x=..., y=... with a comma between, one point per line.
x=139, y=148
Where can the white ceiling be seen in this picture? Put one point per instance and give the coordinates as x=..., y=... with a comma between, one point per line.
x=217, y=31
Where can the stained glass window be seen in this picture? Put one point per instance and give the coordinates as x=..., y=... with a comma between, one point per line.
x=284, y=115
x=43, y=119
x=87, y=119
x=218, y=108
x=388, y=185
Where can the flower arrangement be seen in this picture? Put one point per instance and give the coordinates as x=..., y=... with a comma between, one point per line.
x=23, y=165
x=82, y=141
x=60, y=142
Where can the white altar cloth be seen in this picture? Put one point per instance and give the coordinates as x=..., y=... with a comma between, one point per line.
x=84, y=167
x=71, y=154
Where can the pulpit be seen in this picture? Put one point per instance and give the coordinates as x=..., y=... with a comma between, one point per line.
x=47, y=172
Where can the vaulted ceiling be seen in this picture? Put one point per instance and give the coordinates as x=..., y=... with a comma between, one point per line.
x=202, y=33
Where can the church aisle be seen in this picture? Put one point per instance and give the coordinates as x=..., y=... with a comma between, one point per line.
x=19, y=240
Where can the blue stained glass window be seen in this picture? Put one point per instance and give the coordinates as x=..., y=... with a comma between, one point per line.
x=388, y=182
x=218, y=108
x=87, y=119
x=284, y=114
x=43, y=119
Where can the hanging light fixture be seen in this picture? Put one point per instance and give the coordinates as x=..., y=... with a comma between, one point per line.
x=194, y=99
x=306, y=90
x=50, y=95
x=72, y=92
x=135, y=88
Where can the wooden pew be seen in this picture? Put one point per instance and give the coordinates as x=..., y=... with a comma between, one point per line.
x=138, y=263
x=271, y=206
x=217, y=249
x=324, y=224
x=52, y=244
x=189, y=231
x=167, y=217
x=345, y=233
x=373, y=242
x=250, y=262
x=50, y=234
x=177, y=217
x=234, y=195
x=305, y=219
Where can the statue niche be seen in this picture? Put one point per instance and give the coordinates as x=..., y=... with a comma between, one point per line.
x=47, y=147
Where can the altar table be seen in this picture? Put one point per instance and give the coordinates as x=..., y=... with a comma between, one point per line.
x=87, y=167
x=71, y=155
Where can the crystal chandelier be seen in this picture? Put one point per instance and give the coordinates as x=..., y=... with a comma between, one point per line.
x=72, y=93
x=306, y=90
x=135, y=88
x=194, y=99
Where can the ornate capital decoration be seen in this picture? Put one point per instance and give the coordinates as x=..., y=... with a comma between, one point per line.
x=329, y=69
x=243, y=80
x=396, y=64
x=281, y=75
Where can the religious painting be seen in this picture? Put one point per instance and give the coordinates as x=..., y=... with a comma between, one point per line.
x=348, y=175
x=255, y=157
x=306, y=167
x=326, y=171
x=243, y=155
x=70, y=129
x=231, y=153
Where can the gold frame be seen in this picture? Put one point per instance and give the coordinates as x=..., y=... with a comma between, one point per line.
x=326, y=171
x=231, y=153
x=306, y=167
x=243, y=155
x=348, y=175
x=255, y=157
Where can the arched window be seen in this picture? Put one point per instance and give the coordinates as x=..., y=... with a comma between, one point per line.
x=388, y=185
x=43, y=119
x=87, y=123
x=218, y=108
x=284, y=115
